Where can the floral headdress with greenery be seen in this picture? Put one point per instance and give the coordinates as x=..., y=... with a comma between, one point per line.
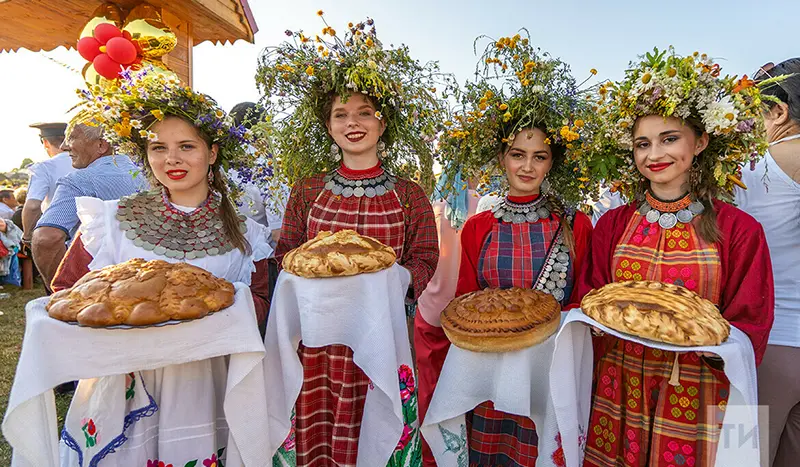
x=127, y=110
x=298, y=78
x=691, y=88
x=517, y=87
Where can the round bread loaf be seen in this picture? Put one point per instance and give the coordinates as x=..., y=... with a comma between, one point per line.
x=139, y=293
x=501, y=320
x=657, y=311
x=344, y=253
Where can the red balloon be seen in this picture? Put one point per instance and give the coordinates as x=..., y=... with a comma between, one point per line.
x=121, y=50
x=106, y=67
x=89, y=48
x=106, y=31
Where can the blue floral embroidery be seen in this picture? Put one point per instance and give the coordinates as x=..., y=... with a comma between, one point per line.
x=130, y=419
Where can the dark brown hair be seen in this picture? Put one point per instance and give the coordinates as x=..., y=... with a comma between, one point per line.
x=702, y=187
x=227, y=210
x=558, y=152
x=324, y=115
x=786, y=91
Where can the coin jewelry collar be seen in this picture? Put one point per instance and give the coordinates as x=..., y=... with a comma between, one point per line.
x=154, y=224
x=519, y=213
x=668, y=213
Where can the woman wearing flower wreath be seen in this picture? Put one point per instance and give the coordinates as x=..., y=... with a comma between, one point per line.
x=674, y=134
x=533, y=238
x=182, y=140
x=358, y=118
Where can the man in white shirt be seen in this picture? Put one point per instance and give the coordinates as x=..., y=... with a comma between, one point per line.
x=7, y=204
x=44, y=176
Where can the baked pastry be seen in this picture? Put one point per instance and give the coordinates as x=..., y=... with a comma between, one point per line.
x=344, y=253
x=501, y=320
x=139, y=293
x=657, y=311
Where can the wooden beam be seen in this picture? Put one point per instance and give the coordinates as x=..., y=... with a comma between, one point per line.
x=180, y=59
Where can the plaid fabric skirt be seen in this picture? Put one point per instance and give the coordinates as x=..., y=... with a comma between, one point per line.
x=501, y=439
x=638, y=419
x=330, y=407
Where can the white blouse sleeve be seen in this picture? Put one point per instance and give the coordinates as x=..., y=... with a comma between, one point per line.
x=98, y=225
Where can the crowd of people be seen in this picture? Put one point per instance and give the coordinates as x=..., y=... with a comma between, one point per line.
x=353, y=128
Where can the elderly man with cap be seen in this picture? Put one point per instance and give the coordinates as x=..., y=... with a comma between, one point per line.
x=44, y=176
x=100, y=175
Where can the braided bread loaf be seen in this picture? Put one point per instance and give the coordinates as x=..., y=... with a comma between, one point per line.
x=661, y=312
x=139, y=292
x=344, y=253
x=501, y=320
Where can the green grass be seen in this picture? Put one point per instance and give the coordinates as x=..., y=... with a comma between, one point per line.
x=12, y=329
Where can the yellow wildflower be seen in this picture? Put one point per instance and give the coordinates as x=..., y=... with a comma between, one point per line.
x=547, y=141
x=378, y=115
x=526, y=82
x=349, y=25
x=448, y=123
x=482, y=106
x=583, y=179
x=579, y=123
x=320, y=13
x=672, y=72
x=503, y=106
x=593, y=71
x=310, y=70
x=507, y=116
x=219, y=113
x=646, y=78
x=369, y=42
x=158, y=114
x=564, y=131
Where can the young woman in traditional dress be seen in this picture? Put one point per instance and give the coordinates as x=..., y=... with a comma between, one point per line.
x=534, y=238
x=675, y=148
x=181, y=139
x=359, y=116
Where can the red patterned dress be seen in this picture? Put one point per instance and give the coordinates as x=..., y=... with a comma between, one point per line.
x=637, y=418
x=501, y=254
x=330, y=407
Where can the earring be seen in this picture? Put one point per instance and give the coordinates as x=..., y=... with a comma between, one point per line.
x=210, y=175
x=381, y=149
x=335, y=154
x=694, y=175
x=545, y=186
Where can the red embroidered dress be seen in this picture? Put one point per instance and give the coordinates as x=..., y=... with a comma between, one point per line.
x=637, y=418
x=498, y=254
x=331, y=402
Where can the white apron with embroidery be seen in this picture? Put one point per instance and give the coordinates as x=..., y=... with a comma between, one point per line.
x=516, y=382
x=364, y=312
x=185, y=394
x=573, y=359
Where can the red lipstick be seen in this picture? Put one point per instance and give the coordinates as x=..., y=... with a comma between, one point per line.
x=659, y=167
x=176, y=174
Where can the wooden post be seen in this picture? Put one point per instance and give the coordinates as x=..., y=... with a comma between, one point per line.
x=180, y=59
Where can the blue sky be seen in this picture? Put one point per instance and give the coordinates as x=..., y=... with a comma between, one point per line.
x=606, y=35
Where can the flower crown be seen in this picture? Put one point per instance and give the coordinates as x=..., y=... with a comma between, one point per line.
x=298, y=78
x=691, y=88
x=127, y=110
x=517, y=87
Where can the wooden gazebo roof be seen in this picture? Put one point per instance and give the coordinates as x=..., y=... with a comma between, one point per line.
x=43, y=25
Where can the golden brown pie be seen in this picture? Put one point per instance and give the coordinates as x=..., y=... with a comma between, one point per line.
x=661, y=312
x=501, y=320
x=139, y=292
x=344, y=253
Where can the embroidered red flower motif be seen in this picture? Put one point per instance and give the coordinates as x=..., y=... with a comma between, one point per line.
x=405, y=438
x=558, y=454
x=91, y=429
x=211, y=462
x=407, y=385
